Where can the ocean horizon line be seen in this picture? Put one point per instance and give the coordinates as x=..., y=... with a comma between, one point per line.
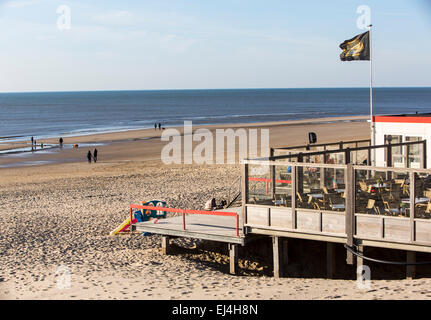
x=210, y=89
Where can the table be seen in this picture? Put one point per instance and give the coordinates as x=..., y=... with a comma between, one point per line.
x=378, y=185
x=417, y=200
x=316, y=195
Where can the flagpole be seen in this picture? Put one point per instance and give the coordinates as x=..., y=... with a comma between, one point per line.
x=373, y=142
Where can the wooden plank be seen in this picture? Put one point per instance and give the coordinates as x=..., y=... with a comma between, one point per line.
x=411, y=269
x=368, y=227
x=307, y=220
x=334, y=223
x=281, y=217
x=396, y=229
x=330, y=260
x=233, y=258
x=257, y=216
x=423, y=231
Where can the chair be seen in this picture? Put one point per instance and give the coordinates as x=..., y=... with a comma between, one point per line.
x=371, y=206
x=335, y=203
x=391, y=207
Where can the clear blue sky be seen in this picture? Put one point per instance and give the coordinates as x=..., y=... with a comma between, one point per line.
x=186, y=44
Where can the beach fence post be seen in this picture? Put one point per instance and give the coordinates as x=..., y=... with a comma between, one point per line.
x=233, y=258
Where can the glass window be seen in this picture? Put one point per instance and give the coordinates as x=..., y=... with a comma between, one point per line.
x=414, y=153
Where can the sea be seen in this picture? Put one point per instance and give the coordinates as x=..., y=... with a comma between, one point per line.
x=55, y=114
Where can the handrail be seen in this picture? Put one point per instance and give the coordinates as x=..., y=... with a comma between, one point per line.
x=322, y=144
x=188, y=211
x=268, y=181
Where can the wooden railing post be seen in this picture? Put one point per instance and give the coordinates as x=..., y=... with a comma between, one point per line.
x=272, y=176
x=300, y=175
x=412, y=205
x=350, y=209
x=389, y=161
x=294, y=189
x=347, y=156
x=424, y=155
x=244, y=196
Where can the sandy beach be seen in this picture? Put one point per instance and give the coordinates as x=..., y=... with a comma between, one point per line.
x=56, y=220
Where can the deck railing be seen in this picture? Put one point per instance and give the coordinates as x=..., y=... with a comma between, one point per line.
x=184, y=212
x=349, y=201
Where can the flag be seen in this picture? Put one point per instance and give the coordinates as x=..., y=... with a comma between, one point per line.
x=357, y=48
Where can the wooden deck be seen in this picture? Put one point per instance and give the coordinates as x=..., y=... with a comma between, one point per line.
x=206, y=227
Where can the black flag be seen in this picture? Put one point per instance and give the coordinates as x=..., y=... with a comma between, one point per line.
x=357, y=48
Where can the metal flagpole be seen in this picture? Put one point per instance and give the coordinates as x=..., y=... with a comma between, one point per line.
x=373, y=142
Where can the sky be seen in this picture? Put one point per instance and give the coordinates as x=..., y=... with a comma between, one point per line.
x=203, y=44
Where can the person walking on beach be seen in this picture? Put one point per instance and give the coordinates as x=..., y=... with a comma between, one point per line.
x=160, y=126
x=95, y=155
x=89, y=156
x=60, y=142
x=155, y=126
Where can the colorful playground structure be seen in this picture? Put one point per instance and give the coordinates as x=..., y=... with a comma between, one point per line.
x=142, y=215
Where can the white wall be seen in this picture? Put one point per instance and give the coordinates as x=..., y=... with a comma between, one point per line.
x=422, y=130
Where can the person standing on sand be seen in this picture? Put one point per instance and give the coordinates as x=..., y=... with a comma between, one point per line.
x=160, y=126
x=60, y=142
x=155, y=126
x=95, y=155
x=89, y=156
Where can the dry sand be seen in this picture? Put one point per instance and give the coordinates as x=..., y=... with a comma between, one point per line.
x=56, y=218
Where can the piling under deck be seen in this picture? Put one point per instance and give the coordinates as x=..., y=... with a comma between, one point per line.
x=205, y=227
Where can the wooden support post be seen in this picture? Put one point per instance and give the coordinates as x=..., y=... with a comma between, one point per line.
x=165, y=245
x=233, y=258
x=424, y=155
x=411, y=269
x=279, y=252
x=285, y=251
x=330, y=260
x=359, y=261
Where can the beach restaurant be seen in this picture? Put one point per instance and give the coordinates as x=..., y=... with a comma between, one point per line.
x=331, y=193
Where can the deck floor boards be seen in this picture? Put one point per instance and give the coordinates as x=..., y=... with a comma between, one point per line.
x=208, y=227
